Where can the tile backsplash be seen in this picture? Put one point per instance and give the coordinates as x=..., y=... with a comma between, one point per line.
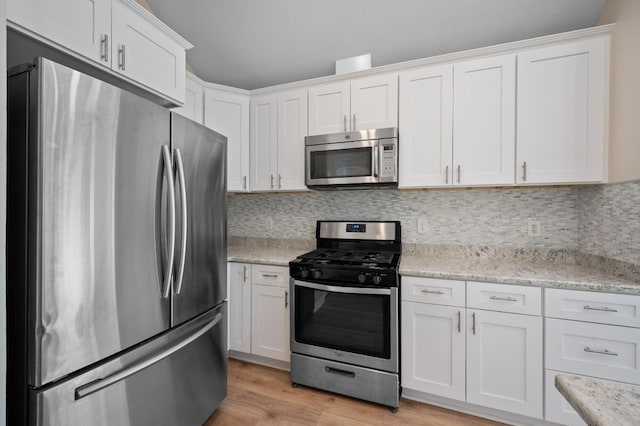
x=609, y=220
x=494, y=217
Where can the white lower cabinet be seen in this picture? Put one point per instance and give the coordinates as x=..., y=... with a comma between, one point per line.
x=259, y=310
x=433, y=352
x=504, y=361
x=556, y=407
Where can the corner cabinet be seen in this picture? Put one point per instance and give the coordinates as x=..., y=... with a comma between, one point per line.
x=228, y=113
x=364, y=103
x=562, y=92
x=193, y=107
x=118, y=34
x=278, y=129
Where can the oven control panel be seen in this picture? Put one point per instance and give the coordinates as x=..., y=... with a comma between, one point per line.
x=389, y=159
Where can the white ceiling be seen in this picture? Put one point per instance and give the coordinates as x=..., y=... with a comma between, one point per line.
x=251, y=44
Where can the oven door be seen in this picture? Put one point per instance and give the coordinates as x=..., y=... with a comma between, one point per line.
x=342, y=163
x=353, y=325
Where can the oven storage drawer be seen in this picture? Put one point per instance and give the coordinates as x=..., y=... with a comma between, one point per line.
x=504, y=298
x=603, y=351
x=605, y=308
x=358, y=382
x=270, y=275
x=433, y=290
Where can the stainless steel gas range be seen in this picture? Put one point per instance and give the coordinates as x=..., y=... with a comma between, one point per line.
x=344, y=316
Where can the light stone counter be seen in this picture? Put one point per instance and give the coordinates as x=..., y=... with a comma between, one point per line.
x=601, y=402
x=277, y=252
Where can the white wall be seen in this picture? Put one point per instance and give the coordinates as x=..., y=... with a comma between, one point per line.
x=624, y=125
x=3, y=208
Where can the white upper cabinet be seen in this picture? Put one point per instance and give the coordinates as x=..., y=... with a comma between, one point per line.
x=193, y=107
x=484, y=99
x=562, y=94
x=292, y=129
x=80, y=25
x=118, y=34
x=228, y=113
x=264, y=143
x=426, y=124
x=364, y=103
x=278, y=128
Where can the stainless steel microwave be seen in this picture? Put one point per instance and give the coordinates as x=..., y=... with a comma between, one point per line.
x=366, y=158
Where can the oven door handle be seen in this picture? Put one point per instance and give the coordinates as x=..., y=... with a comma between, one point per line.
x=338, y=289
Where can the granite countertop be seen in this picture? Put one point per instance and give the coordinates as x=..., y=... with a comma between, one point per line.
x=541, y=268
x=601, y=402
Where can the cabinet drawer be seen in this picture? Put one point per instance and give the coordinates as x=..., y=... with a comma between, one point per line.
x=605, y=308
x=270, y=275
x=604, y=351
x=432, y=290
x=556, y=408
x=504, y=298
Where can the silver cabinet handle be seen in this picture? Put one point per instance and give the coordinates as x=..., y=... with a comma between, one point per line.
x=104, y=43
x=345, y=123
x=279, y=181
x=122, y=54
x=184, y=216
x=354, y=123
x=376, y=159
x=506, y=299
x=167, y=274
x=244, y=274
x=446, y=174
x=473, y=323
x=433, y=291
x=459, y=320
x=286, y=299
x=603, y=309
x=600, y=351
x=458, y=173
x=524, y=171
x=244, y=182
x=99, y=384
x=270, y=275
x=271, y=181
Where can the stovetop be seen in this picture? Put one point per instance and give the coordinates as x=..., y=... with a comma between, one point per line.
x=365, y=258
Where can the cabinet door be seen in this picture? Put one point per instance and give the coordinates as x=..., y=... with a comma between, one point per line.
x=433, y=355
x=561, y=112
x=329, y=108
x=426, y=120
x=193, y=107
x=292, y=128
x=270, y=322
x=556, y=408
x=79, y=25
x=484, y=101
x=228, y=114
x=239, y=307
x=145, y=53
x=504, y=361
x=263, y=151
x=374, y=102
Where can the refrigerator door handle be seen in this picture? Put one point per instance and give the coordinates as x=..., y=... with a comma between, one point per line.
x=165, y=266
x=183, y=203
x=99, y=384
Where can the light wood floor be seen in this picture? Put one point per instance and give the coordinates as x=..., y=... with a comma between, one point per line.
x=259, y=395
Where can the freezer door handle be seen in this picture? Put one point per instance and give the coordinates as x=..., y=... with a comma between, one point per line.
x=183, y=209
x=99, y=384
x=165, y=266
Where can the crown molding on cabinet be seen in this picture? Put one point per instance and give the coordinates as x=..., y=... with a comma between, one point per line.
x=137, y=7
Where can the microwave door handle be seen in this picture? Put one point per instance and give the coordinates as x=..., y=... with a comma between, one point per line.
x=376, y=159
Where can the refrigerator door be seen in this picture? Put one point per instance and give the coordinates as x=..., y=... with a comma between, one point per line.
x=97, y=287
x=178, y=378
x=201, y=237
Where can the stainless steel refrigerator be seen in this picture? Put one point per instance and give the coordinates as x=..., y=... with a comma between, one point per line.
x=116, y=260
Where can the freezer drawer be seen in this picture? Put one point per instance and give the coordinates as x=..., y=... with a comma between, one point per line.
x=178, y=378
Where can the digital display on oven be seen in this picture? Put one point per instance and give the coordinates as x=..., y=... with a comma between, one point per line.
x=356, y=227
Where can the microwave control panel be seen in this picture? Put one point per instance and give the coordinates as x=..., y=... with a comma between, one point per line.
x=389, y=156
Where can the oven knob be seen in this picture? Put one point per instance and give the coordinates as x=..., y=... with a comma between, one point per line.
x=316, y=274
x=361, y=278
x=304, y=273
x=377, y=279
